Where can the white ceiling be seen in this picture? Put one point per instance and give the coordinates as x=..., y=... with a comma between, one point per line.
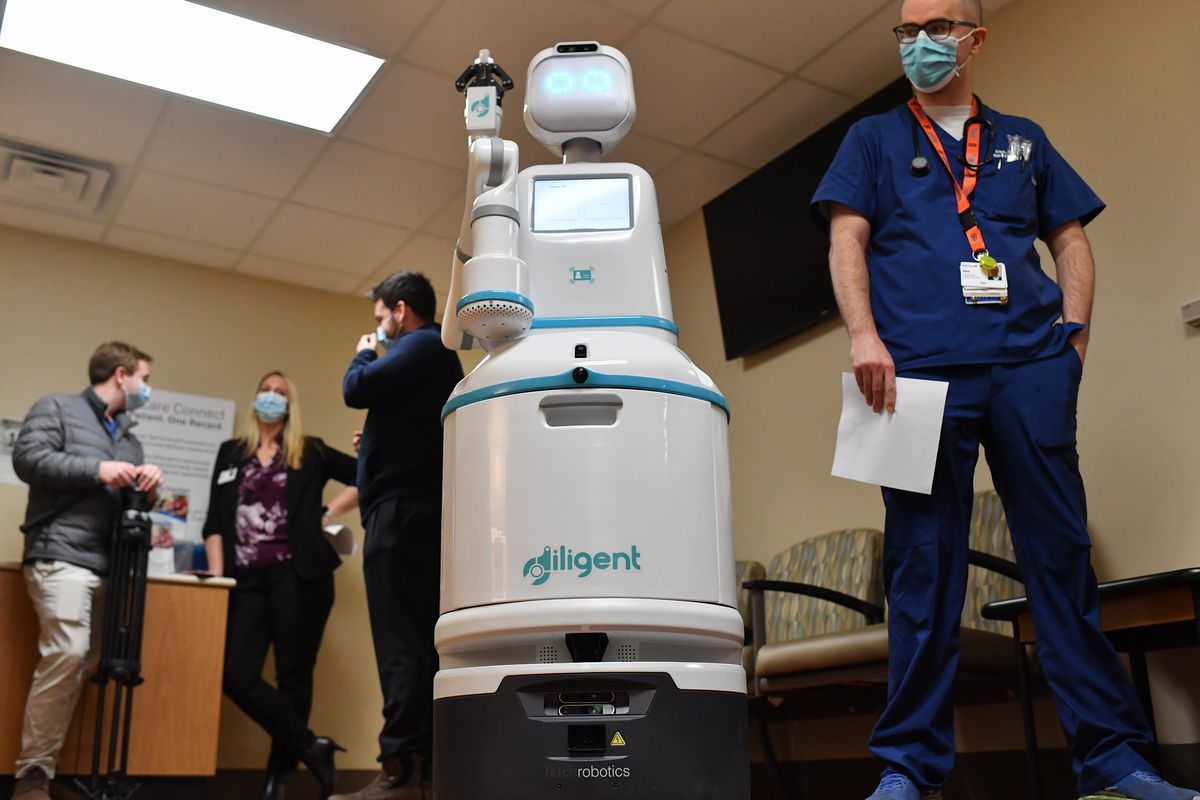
x=723, y=86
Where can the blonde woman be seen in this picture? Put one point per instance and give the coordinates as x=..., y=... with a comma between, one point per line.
x=264, y=528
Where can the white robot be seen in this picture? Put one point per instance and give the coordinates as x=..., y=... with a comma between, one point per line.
x=589, y=641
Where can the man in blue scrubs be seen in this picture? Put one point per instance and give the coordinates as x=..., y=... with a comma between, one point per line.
x=937, y=278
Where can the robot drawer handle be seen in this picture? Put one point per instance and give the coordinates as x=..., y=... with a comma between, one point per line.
x=579, y=409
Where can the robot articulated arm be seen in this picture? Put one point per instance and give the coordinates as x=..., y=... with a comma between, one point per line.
x=489, y=283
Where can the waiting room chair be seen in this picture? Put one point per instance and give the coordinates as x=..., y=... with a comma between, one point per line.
x=820, y=640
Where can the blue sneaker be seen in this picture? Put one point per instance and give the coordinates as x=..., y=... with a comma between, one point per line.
x=1143, y=785
x=897, y=787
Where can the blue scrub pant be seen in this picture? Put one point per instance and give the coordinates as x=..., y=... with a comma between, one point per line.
x=1024, y=415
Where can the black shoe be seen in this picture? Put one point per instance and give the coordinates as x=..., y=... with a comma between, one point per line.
x=319, y=760
x=273, y=787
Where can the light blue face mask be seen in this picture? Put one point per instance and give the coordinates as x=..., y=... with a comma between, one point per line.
x=135, y=400
x=930, y=65
x=384, y=340
x=270, y=406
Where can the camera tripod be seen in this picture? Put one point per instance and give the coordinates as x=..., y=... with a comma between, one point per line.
x=121, y=649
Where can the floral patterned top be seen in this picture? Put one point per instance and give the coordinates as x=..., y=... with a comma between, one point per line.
x=262, y=519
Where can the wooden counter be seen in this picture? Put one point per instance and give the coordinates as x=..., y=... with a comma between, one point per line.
x=176, y=712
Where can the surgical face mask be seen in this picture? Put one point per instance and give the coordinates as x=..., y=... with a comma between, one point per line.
x=137, y=399
x=384, y=340
x=270, y=406
x=930, y=65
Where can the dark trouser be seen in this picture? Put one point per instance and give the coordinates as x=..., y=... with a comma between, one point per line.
x=273, y=606
x=1024, y=415
x=402, y=569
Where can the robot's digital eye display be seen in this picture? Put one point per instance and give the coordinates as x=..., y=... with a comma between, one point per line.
x=561, y=81
x=597, y=80
x=590, y=92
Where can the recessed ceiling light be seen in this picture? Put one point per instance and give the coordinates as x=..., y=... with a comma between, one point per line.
x=196, y=51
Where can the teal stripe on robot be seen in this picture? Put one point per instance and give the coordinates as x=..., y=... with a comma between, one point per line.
x=605, y=322
x=595, y=380
x=511, y=297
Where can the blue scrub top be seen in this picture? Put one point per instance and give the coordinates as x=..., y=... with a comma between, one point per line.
x=917, y=241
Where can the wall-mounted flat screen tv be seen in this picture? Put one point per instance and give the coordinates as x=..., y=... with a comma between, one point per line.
x=770, y=261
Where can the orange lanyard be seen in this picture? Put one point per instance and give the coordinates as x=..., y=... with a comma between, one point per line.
x=962, y=192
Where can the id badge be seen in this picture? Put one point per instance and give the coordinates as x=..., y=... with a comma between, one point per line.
x=979, y=288
x=226, y=475
x=975, y=277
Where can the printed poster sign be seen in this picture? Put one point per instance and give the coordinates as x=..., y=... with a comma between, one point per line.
x=180, y=433
x=9, y=428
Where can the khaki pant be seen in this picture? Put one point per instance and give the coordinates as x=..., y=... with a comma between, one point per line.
x=66, y=599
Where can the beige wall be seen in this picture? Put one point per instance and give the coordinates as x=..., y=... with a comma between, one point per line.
x=212, y=333
x=1114, y=91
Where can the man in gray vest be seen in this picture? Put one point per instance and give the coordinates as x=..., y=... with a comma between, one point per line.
x=76, y=452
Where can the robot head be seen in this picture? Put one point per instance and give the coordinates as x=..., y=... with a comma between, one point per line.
x=579, y=90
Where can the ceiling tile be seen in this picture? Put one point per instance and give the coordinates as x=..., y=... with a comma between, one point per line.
x=380, y=26
x=785, y=117
x=782, y=33
x=673, y=104
x=414, y=112
x=865, y=61
x=321, y=239
x=167, y=247
x=458, y=30
x=75, y=111
x=448, y=219
x=210, y=214
x=641, y=8
x=691, y=182
x=290, y=272
x=221, y=145
x=649, y=154
x=365, y=182
x=429, y=255
x=48, y=222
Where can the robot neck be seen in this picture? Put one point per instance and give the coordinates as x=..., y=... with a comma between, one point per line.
x=577, y=150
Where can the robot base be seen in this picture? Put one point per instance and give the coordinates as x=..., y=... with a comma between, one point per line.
x=571, y=735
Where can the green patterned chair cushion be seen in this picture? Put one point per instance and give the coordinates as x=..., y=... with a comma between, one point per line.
x=989, y=534
x=848, y=561
x=747, y=571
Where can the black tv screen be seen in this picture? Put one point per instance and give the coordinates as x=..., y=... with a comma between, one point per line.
x=770, y=261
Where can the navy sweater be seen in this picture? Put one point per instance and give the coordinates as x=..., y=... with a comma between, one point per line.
x=403, y=391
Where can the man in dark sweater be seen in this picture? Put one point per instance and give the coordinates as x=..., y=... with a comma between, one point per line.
x=76, y=452
x=399, y=486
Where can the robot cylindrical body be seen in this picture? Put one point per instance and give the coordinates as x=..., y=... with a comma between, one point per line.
x=589, y=635
x=586, y=463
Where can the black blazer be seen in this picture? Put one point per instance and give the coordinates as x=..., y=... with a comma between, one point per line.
x=312, y=556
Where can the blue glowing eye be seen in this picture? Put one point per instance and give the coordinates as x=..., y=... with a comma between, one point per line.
x=559, y=82
x=597, y=80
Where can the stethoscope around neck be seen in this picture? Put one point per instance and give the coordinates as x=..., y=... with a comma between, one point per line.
x=920, y=164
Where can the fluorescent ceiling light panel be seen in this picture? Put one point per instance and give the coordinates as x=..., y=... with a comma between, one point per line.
x=196, y=51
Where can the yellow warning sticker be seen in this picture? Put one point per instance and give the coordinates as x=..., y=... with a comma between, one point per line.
x=618, y=740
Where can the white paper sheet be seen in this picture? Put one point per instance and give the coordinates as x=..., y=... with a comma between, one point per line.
x=897, y=450
x=341, y=539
